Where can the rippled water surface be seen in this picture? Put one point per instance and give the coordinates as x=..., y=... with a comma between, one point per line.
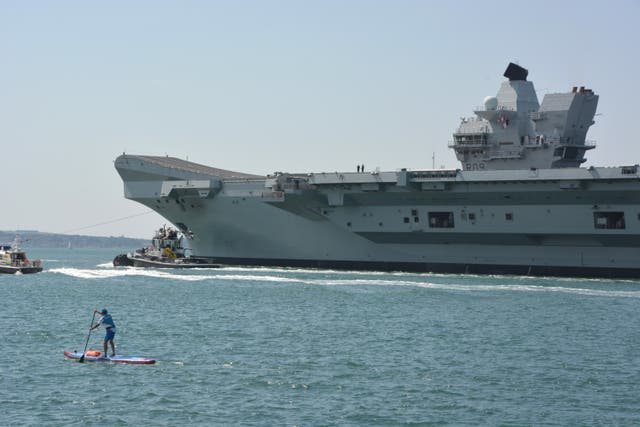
x=291, y=347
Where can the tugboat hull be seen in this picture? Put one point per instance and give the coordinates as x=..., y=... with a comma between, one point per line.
x=126, y=260
x=122, y=260
x=161, y=263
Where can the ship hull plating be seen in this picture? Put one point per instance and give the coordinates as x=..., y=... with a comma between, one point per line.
x=521, y=204
x=450, y=268
x=573, y=222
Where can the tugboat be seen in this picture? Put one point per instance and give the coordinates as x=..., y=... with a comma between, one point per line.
x=14, y=260
x=166, y=251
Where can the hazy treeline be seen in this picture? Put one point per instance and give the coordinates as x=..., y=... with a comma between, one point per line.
x=36, y=239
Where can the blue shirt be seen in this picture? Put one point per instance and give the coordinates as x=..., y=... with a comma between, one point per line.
x=107, y=321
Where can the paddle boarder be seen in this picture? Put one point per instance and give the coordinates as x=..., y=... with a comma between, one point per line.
x=107, y=321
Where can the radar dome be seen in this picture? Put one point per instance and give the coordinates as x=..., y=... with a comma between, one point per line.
x=490, y=102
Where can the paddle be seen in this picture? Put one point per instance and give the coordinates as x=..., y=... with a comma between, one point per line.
x=87, y=343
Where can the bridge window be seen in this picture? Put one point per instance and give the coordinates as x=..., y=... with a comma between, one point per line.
x=609, y=220
x=441, y=219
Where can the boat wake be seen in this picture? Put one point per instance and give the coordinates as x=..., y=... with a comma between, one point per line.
x=454, y=283
x=83, y=273
x=106, y=265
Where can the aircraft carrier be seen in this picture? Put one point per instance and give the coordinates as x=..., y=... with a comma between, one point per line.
x=519, y=204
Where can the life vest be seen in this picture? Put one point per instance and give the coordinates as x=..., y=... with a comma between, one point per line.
x=169, y=253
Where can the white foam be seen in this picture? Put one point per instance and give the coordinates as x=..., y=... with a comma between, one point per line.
x=478, y=287
x=108, y=273
x=105, y=265
x=372, y=279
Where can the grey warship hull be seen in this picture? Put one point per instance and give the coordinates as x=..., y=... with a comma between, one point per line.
x=575, y=222
x=531, y=220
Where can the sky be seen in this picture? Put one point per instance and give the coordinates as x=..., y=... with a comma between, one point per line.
x=264, y=86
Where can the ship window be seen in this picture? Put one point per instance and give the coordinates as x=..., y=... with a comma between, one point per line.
x=472, y=216
x=416, y=219
x=508, y=216
x=414, y=212
x=609, y=220
x=406, y=219
x=348, y=224
x=441, y=219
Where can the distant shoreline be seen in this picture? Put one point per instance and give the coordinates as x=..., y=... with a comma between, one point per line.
x=37, y=239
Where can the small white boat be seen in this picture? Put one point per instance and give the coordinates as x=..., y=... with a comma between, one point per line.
x=14, y=260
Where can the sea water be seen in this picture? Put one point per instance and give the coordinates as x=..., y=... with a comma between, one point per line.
x=294, y=347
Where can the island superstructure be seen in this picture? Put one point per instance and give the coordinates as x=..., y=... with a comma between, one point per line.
x=520, y=203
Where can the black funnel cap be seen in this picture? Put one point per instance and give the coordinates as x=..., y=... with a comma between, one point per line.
x=516, y=72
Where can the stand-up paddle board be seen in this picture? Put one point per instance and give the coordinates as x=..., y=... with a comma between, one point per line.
x=96, y=356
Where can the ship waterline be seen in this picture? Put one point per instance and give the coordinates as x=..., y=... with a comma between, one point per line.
x=528, y=209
